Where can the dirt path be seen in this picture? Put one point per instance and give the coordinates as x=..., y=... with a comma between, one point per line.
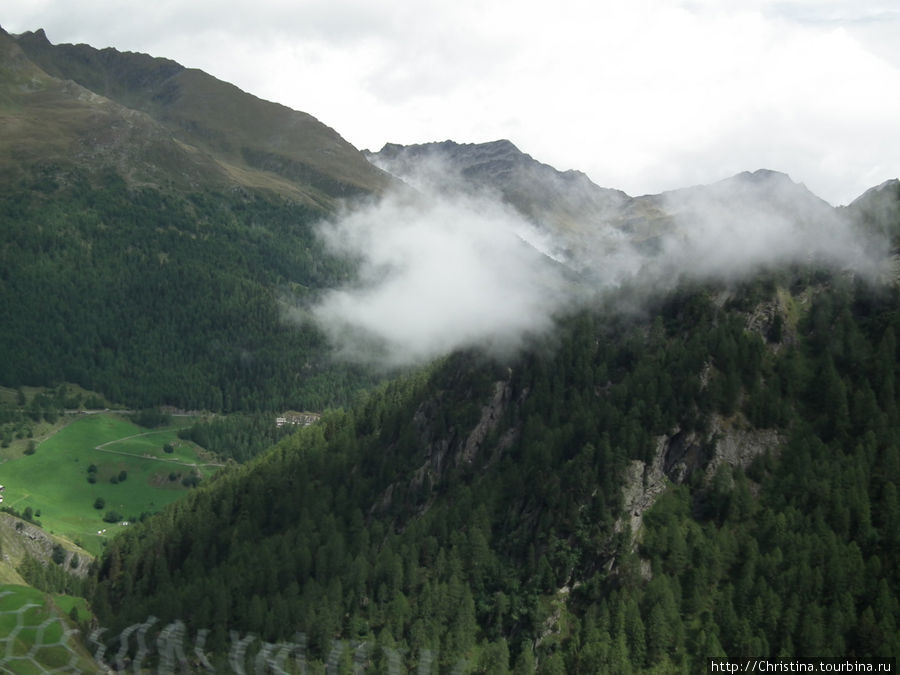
x=102, y=448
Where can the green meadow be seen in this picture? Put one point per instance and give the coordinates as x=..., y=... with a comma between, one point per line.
x=35, y=633
x=54, y=481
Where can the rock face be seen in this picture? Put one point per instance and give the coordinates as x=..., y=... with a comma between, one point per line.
x=491, y=413
x=739, y=447
x=447, y=449
x=643, y=483
x=680, y=454
x=32, y=541
x=563, y=204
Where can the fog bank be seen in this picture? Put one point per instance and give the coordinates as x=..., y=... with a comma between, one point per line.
x=442, y=268
x=436, y=275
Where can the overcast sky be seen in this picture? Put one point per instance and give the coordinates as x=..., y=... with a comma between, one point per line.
x=642, y=95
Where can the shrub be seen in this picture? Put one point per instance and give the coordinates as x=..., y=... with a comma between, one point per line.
x=99, y=503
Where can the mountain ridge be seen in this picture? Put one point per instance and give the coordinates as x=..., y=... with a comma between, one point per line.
x=562, y=198
x=246, y=140
x=591, y=226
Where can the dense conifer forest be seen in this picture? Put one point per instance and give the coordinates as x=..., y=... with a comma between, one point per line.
x=472, y=512
x=156, y=297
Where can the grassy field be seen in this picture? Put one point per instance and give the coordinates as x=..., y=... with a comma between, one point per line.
x=53, y=481
x=34, y=633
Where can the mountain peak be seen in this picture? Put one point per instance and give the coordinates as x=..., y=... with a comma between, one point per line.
x=564, y=203
x=465, y=153
x=37, y=36
x=761, y=175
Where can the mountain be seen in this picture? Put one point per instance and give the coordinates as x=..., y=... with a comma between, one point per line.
x=50, y=122
x=181, y=124
x=878, y=210
x=734, y=224
x=560, y=199
x=641, y=493
x=154, y=243
x=700, y=461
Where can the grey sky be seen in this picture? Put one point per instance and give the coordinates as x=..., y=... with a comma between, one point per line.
x=643, y=96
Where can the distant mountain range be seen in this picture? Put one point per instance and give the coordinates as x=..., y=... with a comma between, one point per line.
x=160, y=123
x=588, y=222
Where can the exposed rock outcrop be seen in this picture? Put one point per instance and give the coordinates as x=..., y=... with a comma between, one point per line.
x=643, y=484
x=739, y=447
x=490, y=418
x=31, y=540
x=679, y=455
x=446, y=449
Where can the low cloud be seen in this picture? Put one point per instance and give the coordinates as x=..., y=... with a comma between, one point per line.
x=733, y=228
x=442, y=269
x=437, y=274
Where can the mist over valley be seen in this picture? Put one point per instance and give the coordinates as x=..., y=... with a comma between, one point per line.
x=269, y=402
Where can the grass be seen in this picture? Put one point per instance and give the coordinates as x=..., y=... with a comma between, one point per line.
x=33, y=635
x=66, y=603
x=54, y=480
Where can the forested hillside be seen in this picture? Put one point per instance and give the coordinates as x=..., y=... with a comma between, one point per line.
x=474, y=512
x=157, y=246
x=155, y=297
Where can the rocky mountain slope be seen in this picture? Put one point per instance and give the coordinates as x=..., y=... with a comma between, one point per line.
x=593, y=227
x=563, y=200
x=160, y=122
x=610, y=502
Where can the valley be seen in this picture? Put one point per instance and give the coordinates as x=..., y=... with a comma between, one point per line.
x=541, y=426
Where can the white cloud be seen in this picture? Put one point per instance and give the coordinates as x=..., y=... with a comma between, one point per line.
x=437, y=274
x=447, y=266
